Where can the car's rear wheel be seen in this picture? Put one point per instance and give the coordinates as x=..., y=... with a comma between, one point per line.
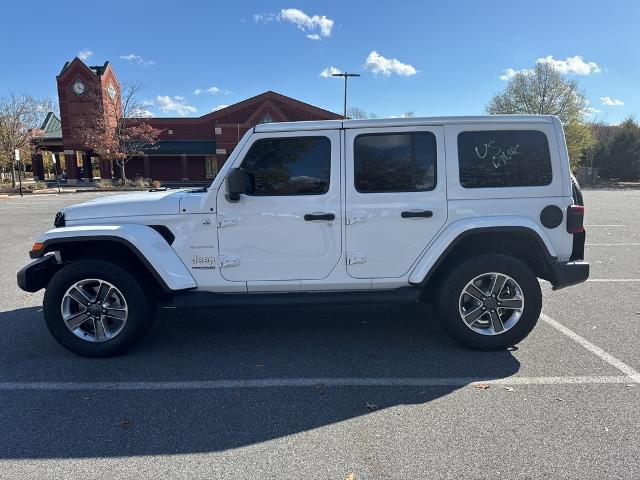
x=490, y=302
x=96, y=308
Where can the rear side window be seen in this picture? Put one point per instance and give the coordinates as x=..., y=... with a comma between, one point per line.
x=288, y=166
x=395, y=162
x=504, y=158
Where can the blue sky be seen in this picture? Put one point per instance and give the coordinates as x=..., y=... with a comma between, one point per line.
x=433, y=58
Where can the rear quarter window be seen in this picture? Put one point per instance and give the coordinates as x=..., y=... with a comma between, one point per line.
x=504, y=158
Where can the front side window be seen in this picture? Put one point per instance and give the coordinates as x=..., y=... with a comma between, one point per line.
x=395, y=162
x=288, y=166
x=504, y=158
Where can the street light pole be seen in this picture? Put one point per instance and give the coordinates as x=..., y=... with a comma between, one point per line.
x=19, y=167
x=346, y=76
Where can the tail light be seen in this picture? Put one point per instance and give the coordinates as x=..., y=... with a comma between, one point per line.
x=575, y=219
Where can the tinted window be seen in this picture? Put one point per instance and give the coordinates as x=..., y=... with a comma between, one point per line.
x=504, y=158
x=400, y=162
x=288, y=166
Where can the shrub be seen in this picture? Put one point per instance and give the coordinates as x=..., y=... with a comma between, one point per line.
x=105, y=184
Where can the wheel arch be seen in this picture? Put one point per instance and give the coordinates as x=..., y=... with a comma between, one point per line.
x=521, y=242
x=140, y=244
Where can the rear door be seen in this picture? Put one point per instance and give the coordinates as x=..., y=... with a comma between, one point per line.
x=395, y=197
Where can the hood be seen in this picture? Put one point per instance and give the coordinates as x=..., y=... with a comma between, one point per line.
x=127, y=205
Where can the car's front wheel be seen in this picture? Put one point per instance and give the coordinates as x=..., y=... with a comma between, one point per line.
x=490, y=301
x=96, y=308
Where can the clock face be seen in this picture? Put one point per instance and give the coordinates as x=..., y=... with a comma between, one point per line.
x=79, y=87
x=112, y=91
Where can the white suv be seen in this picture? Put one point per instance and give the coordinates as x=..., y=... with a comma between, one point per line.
x=467, y=211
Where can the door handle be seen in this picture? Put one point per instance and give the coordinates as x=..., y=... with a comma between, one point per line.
x=417, y=214
x=319, y=216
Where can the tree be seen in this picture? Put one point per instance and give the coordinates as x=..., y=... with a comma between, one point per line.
x=623, y=159
x=358, y=113
x=20, y=118
x=117, y=131
x=544, y=91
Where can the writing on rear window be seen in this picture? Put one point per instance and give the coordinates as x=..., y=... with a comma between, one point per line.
x=504, y=158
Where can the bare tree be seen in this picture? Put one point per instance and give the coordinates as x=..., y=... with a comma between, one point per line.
x=118, y=130
x=358, y=113
x=21, y=116
x=409, y=114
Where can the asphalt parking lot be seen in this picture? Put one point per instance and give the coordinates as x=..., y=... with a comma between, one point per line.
x=372, y=392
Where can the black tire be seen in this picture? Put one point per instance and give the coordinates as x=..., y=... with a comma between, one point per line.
x=141, y=307
x=448, y=300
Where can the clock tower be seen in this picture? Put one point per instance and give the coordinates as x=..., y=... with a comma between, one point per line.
x=83, y=92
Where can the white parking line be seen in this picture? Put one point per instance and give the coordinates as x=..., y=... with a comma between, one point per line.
x=607, y=357
x=613, y=280
x=613, y=225
x=312, y=382
x=610, y=244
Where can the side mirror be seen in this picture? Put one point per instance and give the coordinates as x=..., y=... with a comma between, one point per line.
x=235, y=184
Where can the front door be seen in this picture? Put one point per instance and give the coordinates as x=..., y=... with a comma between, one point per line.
x=395, y=197
x=288, y=224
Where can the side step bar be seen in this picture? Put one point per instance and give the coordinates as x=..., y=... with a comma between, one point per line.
x=252, y=300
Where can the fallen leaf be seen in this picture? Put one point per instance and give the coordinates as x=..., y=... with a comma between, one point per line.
x=482, y=386
x=126, y=424
x=351, y=476
x=371, y=406
x=508, y=389
x=320, y=388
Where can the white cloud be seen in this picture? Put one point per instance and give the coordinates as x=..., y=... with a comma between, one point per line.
x=176, y=104
x=133, y=58
x=84, y=54
x=327, y=72
x=575, y=65
x=376, y=63
x=611, y=102
x=197, y=91
x=219, y=107
x=315, y=26
x=509, y=73
x=217, y=90
x=141, y=113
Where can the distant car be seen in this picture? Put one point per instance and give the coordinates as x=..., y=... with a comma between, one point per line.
x=472, y=209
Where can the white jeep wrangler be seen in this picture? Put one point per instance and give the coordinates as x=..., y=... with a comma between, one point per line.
x=467, y=211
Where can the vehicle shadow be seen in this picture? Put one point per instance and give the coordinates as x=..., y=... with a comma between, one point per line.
x=381, y=341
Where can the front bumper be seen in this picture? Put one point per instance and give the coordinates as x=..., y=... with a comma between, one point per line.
x=37, y=274
x=565, y=274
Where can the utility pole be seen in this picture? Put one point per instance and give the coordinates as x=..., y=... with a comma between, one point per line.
x=55, y=171
x=346, y=76
x=19, y=167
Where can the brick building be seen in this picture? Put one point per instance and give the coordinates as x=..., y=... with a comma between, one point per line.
x=188, y=150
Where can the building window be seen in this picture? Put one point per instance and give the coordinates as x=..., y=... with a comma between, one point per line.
x=288, y=166
x=211, y=166
x=170, y=132
x=504, y=158
x=218, y=131
x=266, y=119
x=221, y=151
x=396, y=162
